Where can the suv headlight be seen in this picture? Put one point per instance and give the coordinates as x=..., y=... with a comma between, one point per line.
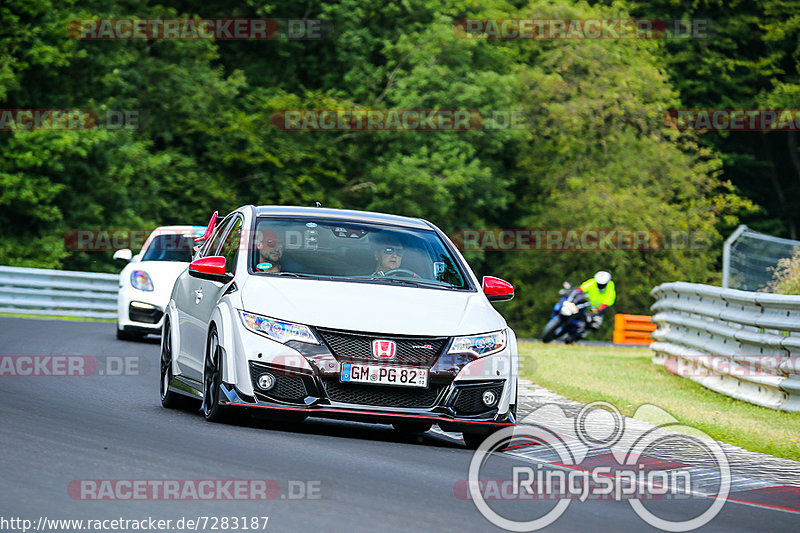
x=141, y=280
x=277, y=330
x=479, y=345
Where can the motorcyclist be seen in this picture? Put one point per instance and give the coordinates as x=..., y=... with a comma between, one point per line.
x=602, y=295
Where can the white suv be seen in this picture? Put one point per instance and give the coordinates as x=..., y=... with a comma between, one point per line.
x=339, y=314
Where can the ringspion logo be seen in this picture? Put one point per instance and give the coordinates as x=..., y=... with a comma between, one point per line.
x=626, y=473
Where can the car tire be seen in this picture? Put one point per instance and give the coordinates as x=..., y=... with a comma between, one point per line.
x=412, y=426
x=212, y=379
x=170, y=399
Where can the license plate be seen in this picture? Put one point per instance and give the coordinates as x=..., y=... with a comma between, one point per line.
x=384, y=375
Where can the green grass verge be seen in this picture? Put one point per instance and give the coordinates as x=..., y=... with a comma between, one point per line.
x=627, y=378
x=59, y=317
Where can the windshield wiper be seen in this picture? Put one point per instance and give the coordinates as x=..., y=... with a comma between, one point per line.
x=411, y=282
x=292, y=274
x=399, y=281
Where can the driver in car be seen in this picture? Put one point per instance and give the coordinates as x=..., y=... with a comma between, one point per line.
x=388, y=256
x=270, y=252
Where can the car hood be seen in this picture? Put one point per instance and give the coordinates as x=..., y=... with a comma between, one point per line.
x=371, y=307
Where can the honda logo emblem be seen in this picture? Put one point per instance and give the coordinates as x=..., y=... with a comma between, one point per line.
x=385, y=349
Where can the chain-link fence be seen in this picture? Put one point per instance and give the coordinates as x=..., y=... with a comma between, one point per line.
x=750, y=258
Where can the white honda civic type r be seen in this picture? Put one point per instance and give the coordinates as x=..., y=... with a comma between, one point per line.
x=339, y=314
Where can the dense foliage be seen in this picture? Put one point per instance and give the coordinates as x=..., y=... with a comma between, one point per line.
x=594, y=152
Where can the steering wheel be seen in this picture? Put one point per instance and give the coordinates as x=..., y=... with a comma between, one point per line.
x=402, y=271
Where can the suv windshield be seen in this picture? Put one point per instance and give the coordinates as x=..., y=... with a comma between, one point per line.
x=356, y=251
x=170, y=247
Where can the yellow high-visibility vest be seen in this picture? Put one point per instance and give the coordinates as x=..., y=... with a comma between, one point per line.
x=597, y=298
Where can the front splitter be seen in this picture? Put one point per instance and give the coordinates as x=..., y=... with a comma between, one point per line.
x=366, y=414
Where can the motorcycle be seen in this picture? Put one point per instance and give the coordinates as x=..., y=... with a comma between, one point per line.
x=570, y=316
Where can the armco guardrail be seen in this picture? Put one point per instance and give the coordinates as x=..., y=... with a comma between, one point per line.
x=58, y=292
x=742, y=344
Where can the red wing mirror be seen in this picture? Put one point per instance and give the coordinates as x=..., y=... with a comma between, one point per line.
x=496, y=289
x=210, y=268
x=209, y=228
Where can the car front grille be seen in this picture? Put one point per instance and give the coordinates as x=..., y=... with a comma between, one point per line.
x=286, y=388
x=383, y=396
x=412, y=351
x=468, y=399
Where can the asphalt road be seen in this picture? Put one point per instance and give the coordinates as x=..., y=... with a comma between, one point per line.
x=58, y=430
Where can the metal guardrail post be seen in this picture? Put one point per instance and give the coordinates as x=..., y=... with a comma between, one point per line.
x=726, y=255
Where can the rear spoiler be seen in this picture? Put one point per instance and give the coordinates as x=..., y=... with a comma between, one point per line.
x=209, y=229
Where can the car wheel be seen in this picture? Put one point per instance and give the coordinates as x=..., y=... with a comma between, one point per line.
x=412, y=427
x=169, y=399
x=212, y=379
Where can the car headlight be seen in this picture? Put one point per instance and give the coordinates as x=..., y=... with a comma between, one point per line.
x=141, y=280
x=277, y=330
x=479, y=345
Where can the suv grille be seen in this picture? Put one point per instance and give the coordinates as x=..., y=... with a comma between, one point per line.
x=380, y=395
x=415, y=351
x=286, y=388
x=468, y=401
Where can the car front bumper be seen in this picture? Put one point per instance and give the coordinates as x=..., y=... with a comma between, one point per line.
x=446, y=416
x=140, y=312
x=308, y=383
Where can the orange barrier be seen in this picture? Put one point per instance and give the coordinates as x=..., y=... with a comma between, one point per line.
x=633, y=329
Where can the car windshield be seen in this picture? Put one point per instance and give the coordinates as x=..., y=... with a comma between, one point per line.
x=354, y=251
x=169, y=247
